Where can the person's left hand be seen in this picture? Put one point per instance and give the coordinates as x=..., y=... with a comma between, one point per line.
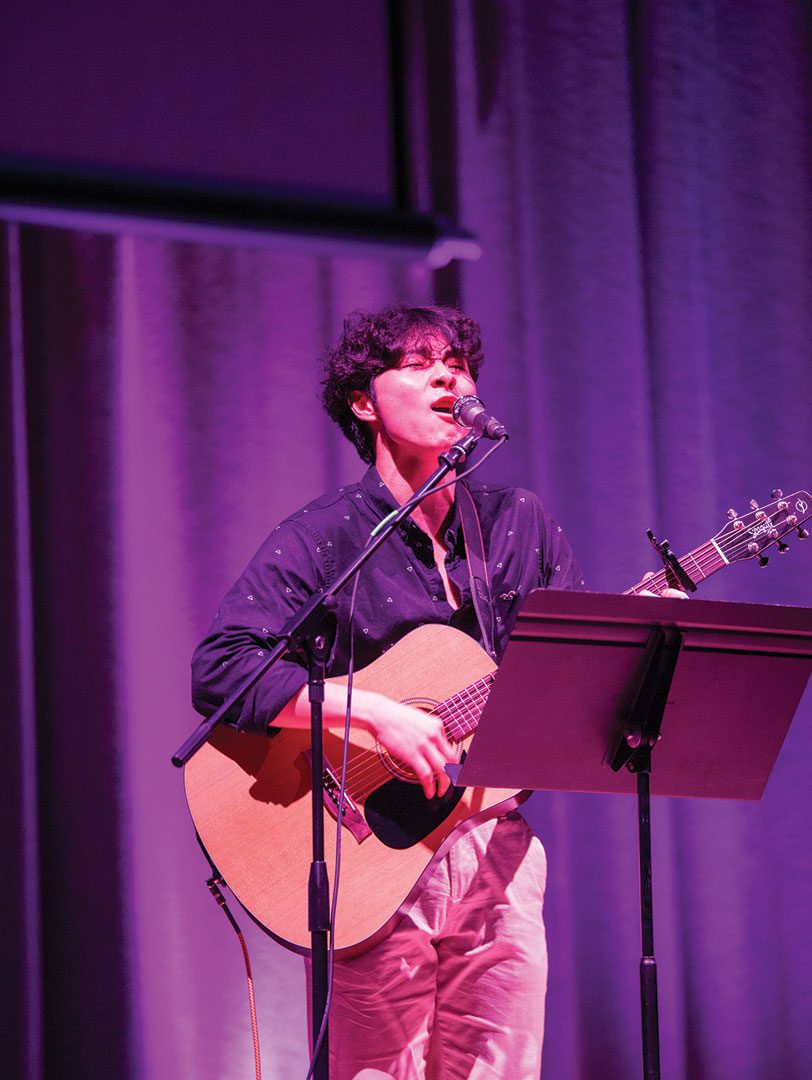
x=675, y=594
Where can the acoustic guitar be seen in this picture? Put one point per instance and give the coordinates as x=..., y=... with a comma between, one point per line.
x=249, y=796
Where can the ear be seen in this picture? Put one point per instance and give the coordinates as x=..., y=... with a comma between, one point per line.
x=362, y=405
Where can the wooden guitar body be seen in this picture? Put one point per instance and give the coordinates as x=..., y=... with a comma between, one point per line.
x=249, y=796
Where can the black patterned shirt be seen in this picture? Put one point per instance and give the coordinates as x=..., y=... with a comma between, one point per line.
x=400, y=587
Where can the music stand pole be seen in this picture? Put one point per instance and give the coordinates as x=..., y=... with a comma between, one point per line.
x=639, y=737
x=648, y=964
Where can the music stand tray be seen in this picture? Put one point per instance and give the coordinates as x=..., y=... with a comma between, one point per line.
x=573, y=664
x=593, y=688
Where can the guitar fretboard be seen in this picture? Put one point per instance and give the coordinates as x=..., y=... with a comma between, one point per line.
x=460, y=713
x=698, y=564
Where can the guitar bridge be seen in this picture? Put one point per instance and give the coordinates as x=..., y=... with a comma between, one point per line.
x=351, y=817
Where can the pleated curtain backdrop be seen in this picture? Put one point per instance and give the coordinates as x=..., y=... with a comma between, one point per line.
x=639, y=177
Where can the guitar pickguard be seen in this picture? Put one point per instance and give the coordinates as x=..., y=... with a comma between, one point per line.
x=400, y=815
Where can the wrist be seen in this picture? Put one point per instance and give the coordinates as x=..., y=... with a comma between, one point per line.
x=365, y=706
x=368, y=707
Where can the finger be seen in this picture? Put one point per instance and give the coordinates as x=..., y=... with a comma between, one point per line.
x=427, y=780
x=443, y=781
x=433, y=777
x=440, y=741
x=444, y=751
x=438, y=758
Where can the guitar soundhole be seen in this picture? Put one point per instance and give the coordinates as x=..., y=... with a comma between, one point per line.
x=400, y=769
x=400, y=815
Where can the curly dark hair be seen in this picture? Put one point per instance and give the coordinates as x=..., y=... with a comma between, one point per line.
x=373, y=342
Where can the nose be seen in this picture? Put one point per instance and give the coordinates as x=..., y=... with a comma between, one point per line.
x=443, y=375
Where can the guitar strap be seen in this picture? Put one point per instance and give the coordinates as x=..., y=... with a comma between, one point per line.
x=477, y=567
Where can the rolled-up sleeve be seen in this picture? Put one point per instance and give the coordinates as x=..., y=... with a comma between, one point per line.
x=286, y=571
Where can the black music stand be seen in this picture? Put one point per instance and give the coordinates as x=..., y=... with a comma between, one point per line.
x=589, y=680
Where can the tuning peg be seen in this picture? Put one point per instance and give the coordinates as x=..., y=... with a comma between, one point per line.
x=732, y=513
x=753, y=504
x=802, y=533
x=782, y=547
x=776, y=493
x=763, y=560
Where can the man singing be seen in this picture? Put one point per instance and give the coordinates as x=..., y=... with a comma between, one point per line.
x=457, y=988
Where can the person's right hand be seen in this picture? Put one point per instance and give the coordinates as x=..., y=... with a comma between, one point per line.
x=415, y=737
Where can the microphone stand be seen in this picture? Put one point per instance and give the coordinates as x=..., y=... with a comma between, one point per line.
x=309, y=633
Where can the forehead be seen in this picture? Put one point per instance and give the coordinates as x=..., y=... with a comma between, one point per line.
x=429, y=342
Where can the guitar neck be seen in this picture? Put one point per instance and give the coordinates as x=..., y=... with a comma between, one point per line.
x=461, y=712
x=699, y=564
x=743, y=537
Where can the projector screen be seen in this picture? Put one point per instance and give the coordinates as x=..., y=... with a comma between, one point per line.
x=262, y=96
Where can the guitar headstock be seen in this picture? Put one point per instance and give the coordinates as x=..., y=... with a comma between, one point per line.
x=748, y=535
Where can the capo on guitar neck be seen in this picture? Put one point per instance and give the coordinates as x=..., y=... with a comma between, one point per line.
x=671, y=562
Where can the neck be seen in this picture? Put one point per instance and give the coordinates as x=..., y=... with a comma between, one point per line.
x=404, y=477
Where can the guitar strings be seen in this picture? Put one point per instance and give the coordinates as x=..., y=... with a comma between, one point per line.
x=662, y=578
x=459, y=713
x=459, y=716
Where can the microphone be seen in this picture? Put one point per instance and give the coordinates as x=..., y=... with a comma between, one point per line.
x=469, y=412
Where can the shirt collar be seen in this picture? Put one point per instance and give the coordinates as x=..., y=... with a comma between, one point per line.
x=377, y=493
x=384, y=502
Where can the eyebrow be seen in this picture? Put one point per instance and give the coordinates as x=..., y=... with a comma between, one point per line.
x=426, y=352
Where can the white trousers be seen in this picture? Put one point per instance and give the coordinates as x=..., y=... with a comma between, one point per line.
x=457, y=989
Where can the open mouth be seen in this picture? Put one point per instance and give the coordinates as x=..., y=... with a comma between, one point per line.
x=444, y=406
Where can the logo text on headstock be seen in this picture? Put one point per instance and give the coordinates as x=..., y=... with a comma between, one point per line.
x=763, y=527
